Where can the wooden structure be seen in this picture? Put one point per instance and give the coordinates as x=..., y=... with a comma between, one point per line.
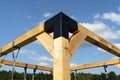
x=80, y=67
x=117, y=65
x=61, y=47
x=1, y=65
x=23, y=65
x=98, y=64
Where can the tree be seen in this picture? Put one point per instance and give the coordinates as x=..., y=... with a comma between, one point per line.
x=96, y=77
x=112, y=76
x=103, y=76
x=6, y=75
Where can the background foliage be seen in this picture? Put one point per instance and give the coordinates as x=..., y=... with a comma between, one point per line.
x=6, y=75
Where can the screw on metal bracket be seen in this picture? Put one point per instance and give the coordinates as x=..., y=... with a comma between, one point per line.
x=61, y=25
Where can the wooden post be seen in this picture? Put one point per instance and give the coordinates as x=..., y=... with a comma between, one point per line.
x=61, y=66
x=60, y=25
x=59, y=47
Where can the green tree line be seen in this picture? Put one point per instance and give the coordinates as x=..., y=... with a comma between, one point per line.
x=6, y=75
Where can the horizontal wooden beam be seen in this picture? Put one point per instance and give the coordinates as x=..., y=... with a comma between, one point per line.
x=28, y=37
x=31, y=36
x=98, y=64
x=23, y=65
x=98, y=41
x=117, y=65
x=1, y=65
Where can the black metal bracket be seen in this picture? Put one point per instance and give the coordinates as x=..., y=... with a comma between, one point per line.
x=14, y=47
x=25, y=68
x=61, y=25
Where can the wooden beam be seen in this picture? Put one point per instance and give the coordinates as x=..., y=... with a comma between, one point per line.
x=75, y=41
x=1, y=65
x=20, y=64
x=47, y=41
x=61, y=65
x=117, y=65
x=28, y=37
x=98, y=41
x=94, y=65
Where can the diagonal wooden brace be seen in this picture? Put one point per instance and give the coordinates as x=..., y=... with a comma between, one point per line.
x=75, y=41
x=47, y=41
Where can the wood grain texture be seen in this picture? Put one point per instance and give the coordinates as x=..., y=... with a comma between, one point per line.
x=98, y=41
x=23, y=40
x=61, y=66
x=94, y=65
x=20, y=64
x=75, y=41
x=47, y=41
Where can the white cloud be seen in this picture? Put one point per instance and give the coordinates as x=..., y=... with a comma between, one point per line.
x=74, y=17
x=119, y=8
x=112, y=16
x=117, y=45
x=73, y=64
x=41, y=60
x=45, y=59
x=42, y=21
x=86, y=44
x=115, y=57
x=96, y=26
x=47, y=14
x=102, y=50
x=36, y=42
x=25, y=51
x=103, y=30
x=97, y=16
x=43, y=64
x=29, y=17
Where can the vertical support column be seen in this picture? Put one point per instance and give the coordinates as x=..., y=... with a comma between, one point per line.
x=61, y=46
x=61, y=66
x=61, y=25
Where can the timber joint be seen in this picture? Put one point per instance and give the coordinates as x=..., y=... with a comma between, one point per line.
x=61, y=25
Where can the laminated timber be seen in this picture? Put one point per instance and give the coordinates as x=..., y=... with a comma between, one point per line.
x=23, y=65
x=98, y=64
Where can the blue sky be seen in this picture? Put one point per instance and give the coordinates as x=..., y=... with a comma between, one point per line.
x=102, y=17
